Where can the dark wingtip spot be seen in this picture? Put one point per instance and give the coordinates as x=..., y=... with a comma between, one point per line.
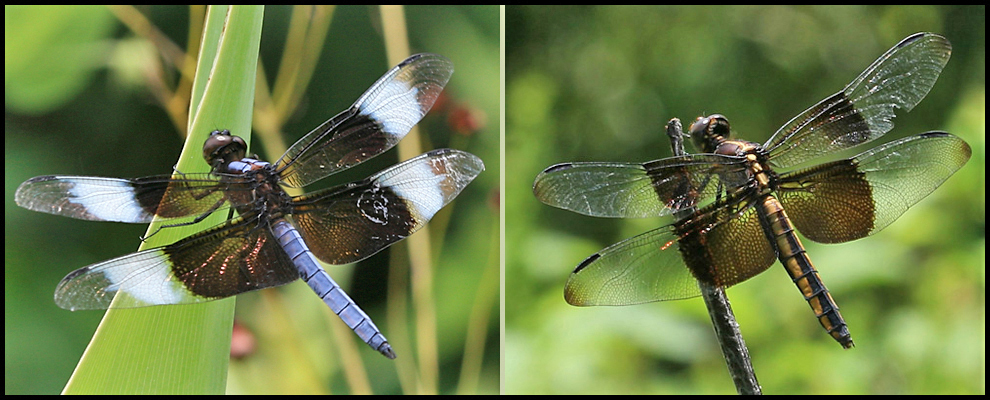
x=912, y=38
x=587, y=262
x=935, y=134
x=558, y=167
x=920, y=35
x=44, y=178
x=411, y=58
x=72, y=275
x=550, y=170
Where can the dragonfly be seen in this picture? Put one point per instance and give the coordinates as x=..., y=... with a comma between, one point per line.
x=270, y=238
x=736, y=210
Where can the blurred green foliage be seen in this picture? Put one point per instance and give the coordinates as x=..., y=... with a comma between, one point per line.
x=599, y=83
x=78, y=101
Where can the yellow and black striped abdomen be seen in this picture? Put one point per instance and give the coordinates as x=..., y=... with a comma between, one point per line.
x=795, y=260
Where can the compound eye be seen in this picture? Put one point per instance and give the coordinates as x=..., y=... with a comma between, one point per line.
x=718, y=124
x=699, y=126
x=715, y=124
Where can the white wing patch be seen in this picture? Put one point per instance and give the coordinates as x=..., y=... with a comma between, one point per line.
x=420, y=187
x=106, y=204
x=144, y=276
x=395, y=105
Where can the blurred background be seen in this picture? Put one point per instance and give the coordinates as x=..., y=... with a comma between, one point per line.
x=599, y=83
x=96, y=91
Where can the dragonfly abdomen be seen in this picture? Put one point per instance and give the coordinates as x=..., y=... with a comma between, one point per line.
x=795, y=260
x=328, y=290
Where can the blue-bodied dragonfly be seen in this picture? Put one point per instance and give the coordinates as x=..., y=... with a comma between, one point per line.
x=275, y=238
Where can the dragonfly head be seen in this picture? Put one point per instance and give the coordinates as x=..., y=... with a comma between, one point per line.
x=222, y=147
x=708, y=132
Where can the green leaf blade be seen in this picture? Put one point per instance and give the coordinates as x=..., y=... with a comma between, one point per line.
x=183, y=349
